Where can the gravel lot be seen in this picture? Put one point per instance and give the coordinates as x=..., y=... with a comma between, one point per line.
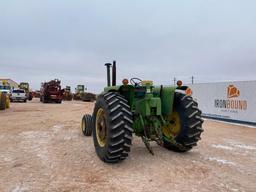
x=43, y=149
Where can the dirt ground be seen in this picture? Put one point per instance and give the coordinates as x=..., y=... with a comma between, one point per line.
x=42, y=149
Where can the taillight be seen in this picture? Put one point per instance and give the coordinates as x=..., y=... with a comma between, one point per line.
x=179, y=83
x=189, y=91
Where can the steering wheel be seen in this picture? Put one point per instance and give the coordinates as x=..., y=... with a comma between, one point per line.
x=135, y=81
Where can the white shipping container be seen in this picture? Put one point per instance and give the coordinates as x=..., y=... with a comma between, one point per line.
x=232, y=101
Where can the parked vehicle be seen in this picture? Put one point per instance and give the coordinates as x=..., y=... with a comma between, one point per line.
x=18, y=95
x=67, y=96
x=51, y=92
x=36, y=94
x=5, y=89
x=79, y=90
x=167, y=115
x=25, y=86
x=80, y=94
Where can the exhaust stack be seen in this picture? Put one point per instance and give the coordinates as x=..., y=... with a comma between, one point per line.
x=108, y=65
x=114, y=74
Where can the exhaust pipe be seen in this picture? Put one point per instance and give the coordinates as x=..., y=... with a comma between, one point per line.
x=114, y=74
x=108, y=65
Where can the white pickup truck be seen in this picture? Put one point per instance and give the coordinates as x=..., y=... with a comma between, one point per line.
x=18, y=95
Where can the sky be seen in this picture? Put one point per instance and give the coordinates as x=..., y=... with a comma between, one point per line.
x=212, y=40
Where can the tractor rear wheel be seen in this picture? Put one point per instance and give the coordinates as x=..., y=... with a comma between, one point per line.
x=186, y=125
x=87, y=125
x=112, y=133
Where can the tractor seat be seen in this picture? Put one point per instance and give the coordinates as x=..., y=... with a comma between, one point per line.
x=140, y=91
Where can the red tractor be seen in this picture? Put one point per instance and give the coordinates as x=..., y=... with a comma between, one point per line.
x=51, y=92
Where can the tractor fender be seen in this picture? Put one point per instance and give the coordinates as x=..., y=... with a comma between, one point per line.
x=166, y=94
x=184, y=90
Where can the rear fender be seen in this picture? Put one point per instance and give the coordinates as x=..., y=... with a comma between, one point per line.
x=166, y=94
x=185, y=90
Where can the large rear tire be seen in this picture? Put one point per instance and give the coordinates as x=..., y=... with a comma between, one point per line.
x=112, y=133
x=87, y=125
x=187, y=120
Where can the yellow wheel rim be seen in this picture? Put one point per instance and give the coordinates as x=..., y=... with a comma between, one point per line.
x=173, y=128
x=101, y=129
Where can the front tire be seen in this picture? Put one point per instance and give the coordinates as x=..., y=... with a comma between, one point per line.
x=87, y=125
x=188, y=123
x=112, y=133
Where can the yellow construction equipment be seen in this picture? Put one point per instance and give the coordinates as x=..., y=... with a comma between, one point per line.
x=5, y=89
x=67, y=95
x=80, y=94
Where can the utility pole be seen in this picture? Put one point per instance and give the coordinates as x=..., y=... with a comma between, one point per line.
x=174, y=80
x=192, y=78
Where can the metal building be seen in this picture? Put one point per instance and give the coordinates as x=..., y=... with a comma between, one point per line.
x=12, y=83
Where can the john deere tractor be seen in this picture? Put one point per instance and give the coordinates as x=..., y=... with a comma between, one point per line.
x=167, y=115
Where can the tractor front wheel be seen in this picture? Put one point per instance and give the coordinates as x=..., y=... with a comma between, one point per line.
x=87, y=125
x=112, y=133
x=185, y=127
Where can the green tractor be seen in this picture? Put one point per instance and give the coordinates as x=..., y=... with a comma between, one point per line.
x=167, y=115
